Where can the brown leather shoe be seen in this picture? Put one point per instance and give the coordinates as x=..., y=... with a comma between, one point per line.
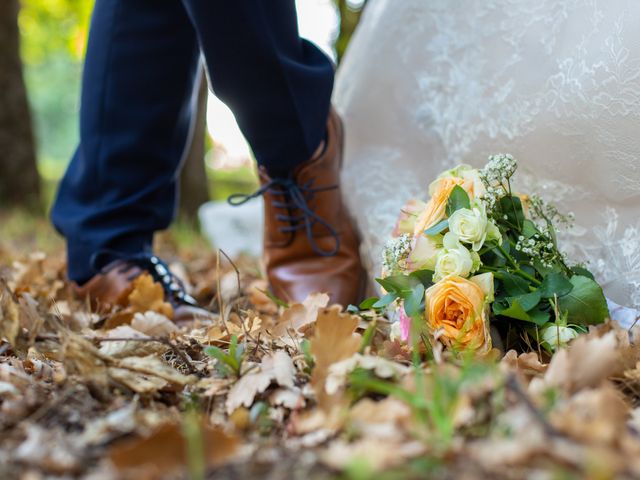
x=112, y=286
x=310, y=243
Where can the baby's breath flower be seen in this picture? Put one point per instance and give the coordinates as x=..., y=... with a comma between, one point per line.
x=499, y=169
x=547, y=213
x=395, y=254
x=540, y=248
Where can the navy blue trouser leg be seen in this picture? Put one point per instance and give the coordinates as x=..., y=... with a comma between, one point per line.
x=136, y=109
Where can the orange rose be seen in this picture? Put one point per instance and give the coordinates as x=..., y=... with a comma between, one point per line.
x=436, y=208
x=457, y=312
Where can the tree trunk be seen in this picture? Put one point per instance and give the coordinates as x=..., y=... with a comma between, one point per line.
x=19, y=179
x=194, y=187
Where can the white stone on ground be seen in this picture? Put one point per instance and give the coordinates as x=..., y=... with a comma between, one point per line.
x=234, y=230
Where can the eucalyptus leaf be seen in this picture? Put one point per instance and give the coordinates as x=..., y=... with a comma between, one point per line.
x=384, y=301
x=398, y=283
x=458, y=199
x=437, y=228
x=413, y=303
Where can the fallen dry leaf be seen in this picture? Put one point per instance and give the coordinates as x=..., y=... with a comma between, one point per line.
x=377, y=454
x=122, y=343
x=300, y=315
x=290, y=398
x=593, y=415
x=9, y=315
x=383, y=368
x=277, y=367
x=148, y=295
x=153, y=324
x=165, y=450
x=334, y=339
x=49, y=450
x=526, y=365
x=585, y=363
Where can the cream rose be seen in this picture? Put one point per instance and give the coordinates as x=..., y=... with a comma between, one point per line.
x=455, y=259
x=425, y=252
x=493, y=233
x=470, y=226
x=457, y=312
x=555, y=336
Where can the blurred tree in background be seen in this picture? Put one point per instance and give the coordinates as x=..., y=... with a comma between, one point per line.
x=19, y=179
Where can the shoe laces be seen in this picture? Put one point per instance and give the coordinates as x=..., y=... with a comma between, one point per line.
x=173, y=287
x=299, y=216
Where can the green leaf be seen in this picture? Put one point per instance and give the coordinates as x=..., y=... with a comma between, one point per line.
x=458, y=199
x=424, y=276
x=305, y=346
x=582, y=271
x=413, y=303
x=437, y=228
x=528, y=300
x=542, y=269
x=529, y=228
x=585, y=304
x=384, y=301
x=517, y=311
x=368, y=303
x=514, y=310
x=513, y=284
x=539, y=317
x=398, y=283
x=555, y=284
x=511, y=206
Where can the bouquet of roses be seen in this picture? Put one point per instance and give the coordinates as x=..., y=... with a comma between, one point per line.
x=477, y=255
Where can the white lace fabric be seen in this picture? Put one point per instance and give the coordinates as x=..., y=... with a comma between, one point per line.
x=427, y=85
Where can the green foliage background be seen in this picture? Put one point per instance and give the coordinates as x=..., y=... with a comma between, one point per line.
x=53, y=36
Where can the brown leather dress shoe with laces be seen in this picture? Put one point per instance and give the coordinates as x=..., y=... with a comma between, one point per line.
x=310, y=243
x=113, y=284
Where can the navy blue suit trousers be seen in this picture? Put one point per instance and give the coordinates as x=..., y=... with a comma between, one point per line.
x=137, y=105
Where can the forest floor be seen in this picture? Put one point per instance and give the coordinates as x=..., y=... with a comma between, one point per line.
x=267, y=390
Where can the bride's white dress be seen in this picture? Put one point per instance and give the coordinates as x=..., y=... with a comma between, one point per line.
x=427, y=84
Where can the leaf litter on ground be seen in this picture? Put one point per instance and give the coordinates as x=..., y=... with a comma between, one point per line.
x=262, y=389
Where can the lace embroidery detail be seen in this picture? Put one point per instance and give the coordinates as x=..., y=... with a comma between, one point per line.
x=557, y=84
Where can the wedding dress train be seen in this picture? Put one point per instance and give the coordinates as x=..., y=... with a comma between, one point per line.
x=429, y=84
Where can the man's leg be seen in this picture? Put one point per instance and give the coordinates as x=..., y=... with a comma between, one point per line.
x=138, y=84
x=277, y=84
x=279, y=88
